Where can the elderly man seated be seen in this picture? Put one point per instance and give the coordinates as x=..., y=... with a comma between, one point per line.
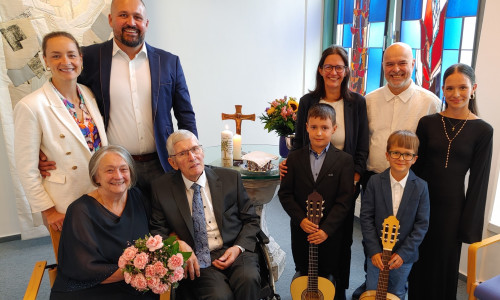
x=208, y=209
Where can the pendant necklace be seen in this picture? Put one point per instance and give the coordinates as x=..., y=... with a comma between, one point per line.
x=454, y=125
x=448, y=137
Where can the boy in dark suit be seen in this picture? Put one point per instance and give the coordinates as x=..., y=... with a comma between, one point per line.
x=329, y=171
x=396, y=191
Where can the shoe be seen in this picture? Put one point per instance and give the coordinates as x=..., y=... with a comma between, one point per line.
x=360, y=290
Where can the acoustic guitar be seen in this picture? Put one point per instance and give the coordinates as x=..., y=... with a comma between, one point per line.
x=312, y=286
x=389, y=238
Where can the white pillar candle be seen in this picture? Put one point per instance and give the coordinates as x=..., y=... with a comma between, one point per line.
x=226, y=147
x=237, y=146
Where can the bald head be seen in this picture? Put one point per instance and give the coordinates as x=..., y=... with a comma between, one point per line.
x=398, y=64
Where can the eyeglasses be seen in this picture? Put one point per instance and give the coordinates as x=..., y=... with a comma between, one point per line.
x=195, y=150
x=338, y=69
x=397, y=155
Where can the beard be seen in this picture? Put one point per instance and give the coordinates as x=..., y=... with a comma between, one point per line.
x=132, y=42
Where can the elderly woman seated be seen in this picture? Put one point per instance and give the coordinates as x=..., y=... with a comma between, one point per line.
x=97, y=227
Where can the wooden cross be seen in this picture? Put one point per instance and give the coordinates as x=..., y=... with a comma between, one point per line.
x=238, y=117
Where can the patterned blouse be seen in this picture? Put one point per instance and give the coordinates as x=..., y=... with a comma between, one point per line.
x=87, y=126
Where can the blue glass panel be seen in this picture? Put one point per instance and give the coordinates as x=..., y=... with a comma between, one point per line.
x=461, y=8
x=347, y=41
x=374, y=69
x=412, y=10
x=340, y=12
x=348, y=11
x=410, y=33
x=376, y=35
x=450, y=57
x=413, y=74
x=377, y=10
x=452, y=33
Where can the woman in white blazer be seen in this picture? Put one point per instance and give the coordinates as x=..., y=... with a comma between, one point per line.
x=61, y=119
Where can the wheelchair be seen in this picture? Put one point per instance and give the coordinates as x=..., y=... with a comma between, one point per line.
x=267, y=289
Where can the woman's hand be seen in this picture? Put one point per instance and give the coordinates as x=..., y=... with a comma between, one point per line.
x=283, y=169
x=54, y=218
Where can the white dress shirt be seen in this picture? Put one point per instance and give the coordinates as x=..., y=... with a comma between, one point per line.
x=397, y=188
x=338, y=138
x=131, y=117
x=388, y=112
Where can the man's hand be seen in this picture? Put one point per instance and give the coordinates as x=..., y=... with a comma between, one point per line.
x=192, y=267
x=227, y=259
x=317, y=238
x=45, y=166
x=395, y=262
x=308, y=226
x=283, y=169
x=377, y=261
x=54, y=218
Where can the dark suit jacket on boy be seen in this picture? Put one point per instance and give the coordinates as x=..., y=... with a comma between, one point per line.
x=413, y=215
x=334, y=184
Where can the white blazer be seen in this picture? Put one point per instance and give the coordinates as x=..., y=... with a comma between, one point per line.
x=41, y=121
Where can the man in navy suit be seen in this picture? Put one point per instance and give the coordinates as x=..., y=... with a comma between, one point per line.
x=395, y=192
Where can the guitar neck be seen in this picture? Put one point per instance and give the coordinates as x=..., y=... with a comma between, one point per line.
x=312, y=278
x=383, y=277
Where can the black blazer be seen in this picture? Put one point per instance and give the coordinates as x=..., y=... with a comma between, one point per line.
x=356, y=127
x=235, y=214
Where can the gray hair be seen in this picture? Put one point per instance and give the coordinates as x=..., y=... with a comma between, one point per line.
x=178, y=136
x=95, y=160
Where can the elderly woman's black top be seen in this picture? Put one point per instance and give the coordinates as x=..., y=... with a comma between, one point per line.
x=92, y=240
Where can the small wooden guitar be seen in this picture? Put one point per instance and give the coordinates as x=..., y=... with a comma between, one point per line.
x=389, y=238
x=311, y=286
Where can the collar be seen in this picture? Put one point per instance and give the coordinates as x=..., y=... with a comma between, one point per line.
x=403, y=96
x=402, y=181
x=202, y=181
x=316, y=155
x=117, y=49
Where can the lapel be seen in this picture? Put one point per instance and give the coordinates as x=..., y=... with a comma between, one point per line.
x=306, y=163
x=105, y=58
x=154, y=68
x=329, y=162
x=217, y=196
x=386, y=190
x=61, y=112
x=348, y=126
x=180, y=197
x=408, y=191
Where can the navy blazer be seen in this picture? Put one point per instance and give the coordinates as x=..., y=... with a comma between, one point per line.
x=234, y=212
x=356, y=127
x=168, y=90
x=413, y=215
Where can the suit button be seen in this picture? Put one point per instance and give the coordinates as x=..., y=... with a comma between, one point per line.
x=68, y=153
x=62, y=136
x=74, y=167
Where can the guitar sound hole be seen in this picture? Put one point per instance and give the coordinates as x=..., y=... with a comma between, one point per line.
x=316, y=295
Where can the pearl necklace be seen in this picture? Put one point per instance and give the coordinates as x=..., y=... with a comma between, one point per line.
x=448, y=137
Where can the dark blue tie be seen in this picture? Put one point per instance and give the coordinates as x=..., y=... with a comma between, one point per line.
x=200, y=229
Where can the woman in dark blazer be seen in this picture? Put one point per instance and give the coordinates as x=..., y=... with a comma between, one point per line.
x=351, y=136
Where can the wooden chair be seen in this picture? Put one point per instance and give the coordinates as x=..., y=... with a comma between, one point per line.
x=474, y=287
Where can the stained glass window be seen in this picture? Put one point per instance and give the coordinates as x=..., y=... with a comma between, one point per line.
x=441, y=33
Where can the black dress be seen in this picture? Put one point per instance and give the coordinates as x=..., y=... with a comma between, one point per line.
x=457, y=214
x=92, y=241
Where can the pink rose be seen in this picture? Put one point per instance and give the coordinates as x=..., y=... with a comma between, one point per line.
x=175, y=261
x=177, y=275
x=154, y=243
x=139, y=282
x=159, y=269
x=153, y=282
x=129, y=253
x=274, y=103
x=161, y=289
x=122, y=262
x=127, y=276
x=150, y=271
x=141, y=260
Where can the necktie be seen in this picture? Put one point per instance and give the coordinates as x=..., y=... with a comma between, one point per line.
x=200, y=229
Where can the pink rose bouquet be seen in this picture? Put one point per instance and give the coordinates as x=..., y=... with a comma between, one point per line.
x=153, y=264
